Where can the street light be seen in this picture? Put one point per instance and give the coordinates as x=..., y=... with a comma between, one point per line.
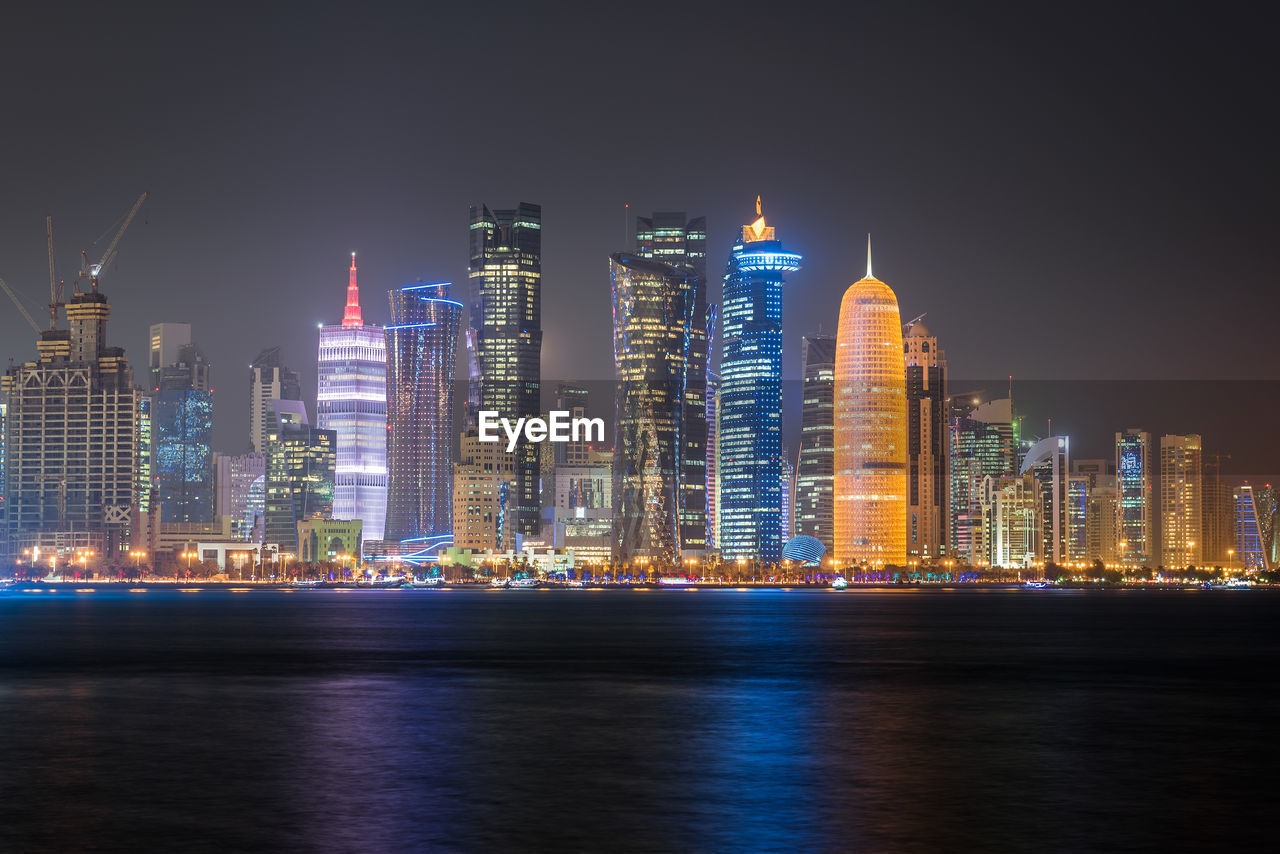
x=137, y=560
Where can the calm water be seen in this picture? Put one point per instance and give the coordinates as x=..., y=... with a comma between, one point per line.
x=624, y=720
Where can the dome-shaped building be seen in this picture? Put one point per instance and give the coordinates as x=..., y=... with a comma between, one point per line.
x=804, y=549
x=870, y=426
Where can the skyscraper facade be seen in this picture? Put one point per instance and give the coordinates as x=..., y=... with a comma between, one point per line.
x=749, y=431
x=182, y=431
x=484, y=484
x=1249, y=552
x=71, y=438
x=1133, y=485
x=1181, y=497
x=504, y=341
x=652, y=316
x=713, y=431
x=269, y=381
x=351, y=401
x=234, y=477
x=1047, y=467
x=870, y=427
x=983, y=438
x=928, y=515
x=815, y=467
x=675, y=240
x=1101, y=497
x=420, y=362
x=300, y=465
x=166, y=340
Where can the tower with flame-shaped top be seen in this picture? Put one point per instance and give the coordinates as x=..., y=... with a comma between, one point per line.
x=352, y=402
x=750, y=425
x=870, y=427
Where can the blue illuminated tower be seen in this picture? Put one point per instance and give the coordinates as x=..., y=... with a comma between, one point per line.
x=183, y=435
x=750, y=424
x=420, y=360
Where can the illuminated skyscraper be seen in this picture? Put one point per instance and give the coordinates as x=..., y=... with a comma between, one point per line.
x=352, y=402
x=928, y=515
x=1267, y=504
x=1217, y=513
x=673, y=239
x=749, y=432
x=1181, y=499
x=1046, y=467
x=504, y=340
x=269, y=381
x=713, y=432
x=484, y=483
x=1100, y=540
x=983, y=438
x=71, y=438
x=234, y=479
x=652, y=316
x=299, y=482
x=870, y=427
x=815, y=469
x=420, y=360
x=1249, y=552
x=1133, y=484
x=183, y=436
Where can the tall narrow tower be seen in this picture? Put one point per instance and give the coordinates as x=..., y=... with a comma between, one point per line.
x=504, y=340
x=870, y=427
x=814, y=474
x=420, y=348
x=652, y=314
x=352, y=402
x=927, y=511
x=750, y=423
x=672, y=238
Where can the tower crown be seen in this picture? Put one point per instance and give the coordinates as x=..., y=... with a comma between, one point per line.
x=352, y=317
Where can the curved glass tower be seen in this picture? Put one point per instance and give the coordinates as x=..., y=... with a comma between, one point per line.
x=870, y=427
x=749, y=523
x=652, y=320
x=352, y=402
x=420, y=360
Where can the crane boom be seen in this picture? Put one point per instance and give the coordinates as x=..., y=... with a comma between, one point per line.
x=20, y=306
x=55, y=290
x=96, y=269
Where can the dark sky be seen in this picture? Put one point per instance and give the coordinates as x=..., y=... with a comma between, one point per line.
x=1070, y=192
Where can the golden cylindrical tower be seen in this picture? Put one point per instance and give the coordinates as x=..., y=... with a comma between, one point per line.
x=870, y=427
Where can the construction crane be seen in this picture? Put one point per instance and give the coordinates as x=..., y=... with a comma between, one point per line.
x=55, y=287
x=21, y=307
x=911, y=323
x=92, y=272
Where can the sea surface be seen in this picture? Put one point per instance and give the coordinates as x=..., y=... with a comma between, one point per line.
x=624, y=720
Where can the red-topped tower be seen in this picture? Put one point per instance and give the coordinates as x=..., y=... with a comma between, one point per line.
x=351, y=317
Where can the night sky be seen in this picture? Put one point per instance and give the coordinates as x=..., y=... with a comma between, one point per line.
x=1070, y=193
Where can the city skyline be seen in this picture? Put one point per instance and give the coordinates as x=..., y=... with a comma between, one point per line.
x=1112, y=216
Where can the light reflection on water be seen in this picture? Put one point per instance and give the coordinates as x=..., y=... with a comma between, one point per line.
x=775, y=720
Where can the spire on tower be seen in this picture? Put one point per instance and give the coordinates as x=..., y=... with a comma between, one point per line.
x=351, y=317
x=869, y=255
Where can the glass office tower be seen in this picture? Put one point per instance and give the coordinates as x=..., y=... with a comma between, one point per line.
x=652, y=315
x=1133, y=483
x=420, y=361
x=749, y=432
x=815, y=471
x=504, y=340
x=672, y=238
